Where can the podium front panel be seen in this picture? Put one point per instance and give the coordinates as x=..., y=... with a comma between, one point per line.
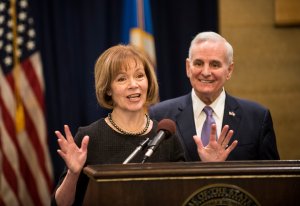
x=195, y=183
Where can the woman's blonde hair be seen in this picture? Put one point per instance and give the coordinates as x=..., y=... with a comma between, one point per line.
x=109, y=65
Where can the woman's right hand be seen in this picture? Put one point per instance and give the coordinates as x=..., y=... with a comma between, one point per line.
x=73, y=156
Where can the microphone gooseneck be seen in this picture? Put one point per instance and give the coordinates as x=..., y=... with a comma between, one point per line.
x=142, y=146
x=165, y=129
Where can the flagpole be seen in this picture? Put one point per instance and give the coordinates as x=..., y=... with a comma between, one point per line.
x=19, y=116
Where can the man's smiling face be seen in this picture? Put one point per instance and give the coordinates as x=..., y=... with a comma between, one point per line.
x=208, y=69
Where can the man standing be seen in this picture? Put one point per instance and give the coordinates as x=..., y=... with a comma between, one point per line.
x=208, y=66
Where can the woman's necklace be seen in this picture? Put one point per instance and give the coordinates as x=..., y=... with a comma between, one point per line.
x=129, y=133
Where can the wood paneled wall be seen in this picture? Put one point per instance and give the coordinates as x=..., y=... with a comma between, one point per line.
x=267, y=65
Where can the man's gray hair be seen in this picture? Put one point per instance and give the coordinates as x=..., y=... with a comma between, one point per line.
x=213, y=37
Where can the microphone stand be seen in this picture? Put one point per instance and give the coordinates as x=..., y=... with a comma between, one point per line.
x=139, y=148
x=144, y=159
x=148, y=153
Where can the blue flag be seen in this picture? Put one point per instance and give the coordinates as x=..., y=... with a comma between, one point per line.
x=137, y=26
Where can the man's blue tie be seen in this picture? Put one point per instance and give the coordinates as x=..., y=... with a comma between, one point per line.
x=207, y=125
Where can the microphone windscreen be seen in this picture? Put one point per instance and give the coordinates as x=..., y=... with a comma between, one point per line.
x=167, y=125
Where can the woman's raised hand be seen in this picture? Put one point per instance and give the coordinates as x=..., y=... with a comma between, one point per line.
x=73, y=156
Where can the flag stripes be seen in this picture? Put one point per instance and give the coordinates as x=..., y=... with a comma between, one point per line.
x=27, y=156
x=26, y=170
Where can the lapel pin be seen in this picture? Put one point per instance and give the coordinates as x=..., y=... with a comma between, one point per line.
x=232, y=114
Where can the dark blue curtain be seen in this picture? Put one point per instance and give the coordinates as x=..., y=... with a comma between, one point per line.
x=73, y=33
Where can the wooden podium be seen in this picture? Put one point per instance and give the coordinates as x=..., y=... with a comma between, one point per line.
x=195, y=183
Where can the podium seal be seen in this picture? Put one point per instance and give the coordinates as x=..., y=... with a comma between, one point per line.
x=222, y=195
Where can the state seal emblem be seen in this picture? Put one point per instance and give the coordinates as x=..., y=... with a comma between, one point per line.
x=221, y=195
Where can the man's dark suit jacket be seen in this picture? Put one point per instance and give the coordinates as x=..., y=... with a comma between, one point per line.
x=252, y=125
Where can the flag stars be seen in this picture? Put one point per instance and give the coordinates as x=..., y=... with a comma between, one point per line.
x=23, y=4
x=30, y=21
x=1, y=19
x=30, y=45
x=2, y=6
x=21, y=28
x=8, y=48
x=31, y=33
x=19, y=53
x=9, y=36
x=25, y=33
x=8, y=61
x=20, y=40
x=9, y=23
x=10, y=11
x=22, y=16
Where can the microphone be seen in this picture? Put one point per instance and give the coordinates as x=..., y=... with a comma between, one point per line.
x=165, y=128
x=142, y=146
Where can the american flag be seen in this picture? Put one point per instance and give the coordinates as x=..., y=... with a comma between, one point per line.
x=26, y=175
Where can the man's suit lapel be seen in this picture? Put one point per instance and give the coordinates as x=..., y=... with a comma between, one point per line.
x=232, y=114
x=186, y=127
